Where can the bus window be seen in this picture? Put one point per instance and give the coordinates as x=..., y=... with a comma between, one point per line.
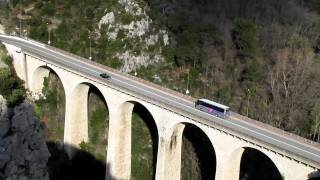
x=217, y=109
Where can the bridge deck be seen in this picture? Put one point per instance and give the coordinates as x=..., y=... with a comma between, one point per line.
x=265, y=133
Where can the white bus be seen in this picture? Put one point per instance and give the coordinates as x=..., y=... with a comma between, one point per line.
x=213, y=108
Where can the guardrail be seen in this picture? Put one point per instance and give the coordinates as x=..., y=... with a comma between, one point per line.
x=277, y=130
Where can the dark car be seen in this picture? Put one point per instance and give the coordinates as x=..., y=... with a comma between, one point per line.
x=105, y=76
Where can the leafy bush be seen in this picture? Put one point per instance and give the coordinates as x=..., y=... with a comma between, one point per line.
x=7, y=60
x=16, y=97
x=84, y=146
x=126, y=18
x=11, y=87
x=98, y=121
x=115, y=63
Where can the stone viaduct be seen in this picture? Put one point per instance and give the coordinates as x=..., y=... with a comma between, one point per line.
x=228, y=145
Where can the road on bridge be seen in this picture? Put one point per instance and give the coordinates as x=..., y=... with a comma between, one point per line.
x=172, y=100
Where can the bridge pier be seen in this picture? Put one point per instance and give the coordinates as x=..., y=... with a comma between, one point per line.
x=169, y=155
x=119, y=141
x=231, y=167
x=76, y=118
x=24, y=68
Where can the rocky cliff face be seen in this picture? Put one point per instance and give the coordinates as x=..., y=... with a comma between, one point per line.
x=128, y=23
x=23, y=151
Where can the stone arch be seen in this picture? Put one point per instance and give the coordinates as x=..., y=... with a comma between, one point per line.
x=250, y=163
x=144, y=129
x=37, y=79
x=55, y=100
x=77, y=125
x=201, y=145
x=122, y=127
x=197, y=141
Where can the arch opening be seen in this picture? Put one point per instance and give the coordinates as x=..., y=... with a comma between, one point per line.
x=50, y=102
x=314, y=175
x=98, y=123
x=87, y=130
x=198, y=159
x=51, y=106
x=89, y=120
x=256, y=165
x=144, y=143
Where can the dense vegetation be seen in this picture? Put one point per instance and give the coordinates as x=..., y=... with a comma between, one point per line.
x=142, y=154
x=11, y=87
x=259, y=57
x=50, y=108
x=98, y=125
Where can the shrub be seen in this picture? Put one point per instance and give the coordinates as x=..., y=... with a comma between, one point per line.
x=16, y=97
x=84, y=146
x=126, y=18
x=11, y=87
x=8, y=60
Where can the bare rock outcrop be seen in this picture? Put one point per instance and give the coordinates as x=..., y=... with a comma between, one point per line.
x=23, y=150
x=130, y=27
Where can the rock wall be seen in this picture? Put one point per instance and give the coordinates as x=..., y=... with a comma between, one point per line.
x=129, y=22
x=23, y=151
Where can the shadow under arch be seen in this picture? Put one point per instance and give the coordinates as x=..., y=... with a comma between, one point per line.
x=198, y=158
x=314, y=175
x=83, y=166
x=144, y=138
x=68, y=161
x=254, y=164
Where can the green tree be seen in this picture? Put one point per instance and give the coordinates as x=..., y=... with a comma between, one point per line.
x=245, y=38
x=16, y=97
x=252, y=72
x=48, y=9
x=8, y=82
x=11, y=87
